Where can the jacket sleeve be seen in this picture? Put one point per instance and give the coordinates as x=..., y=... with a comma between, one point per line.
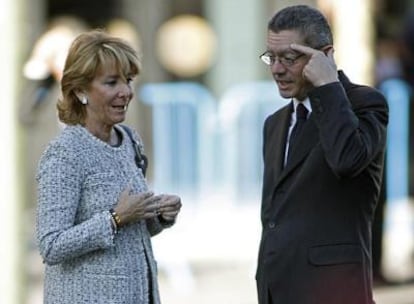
x=156, y=225
x=59, y=187
x=352, y=126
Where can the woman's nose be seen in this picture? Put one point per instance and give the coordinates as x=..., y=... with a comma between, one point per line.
x=125, y=90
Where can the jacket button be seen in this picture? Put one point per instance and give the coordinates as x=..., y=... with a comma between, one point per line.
x=271, y=225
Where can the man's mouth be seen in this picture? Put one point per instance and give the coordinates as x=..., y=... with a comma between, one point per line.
x=283, y=83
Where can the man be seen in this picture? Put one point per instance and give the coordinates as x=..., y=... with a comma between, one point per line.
x=320, y=185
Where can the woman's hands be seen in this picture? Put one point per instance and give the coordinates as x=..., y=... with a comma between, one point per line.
x=169, y=206
x=136, y=207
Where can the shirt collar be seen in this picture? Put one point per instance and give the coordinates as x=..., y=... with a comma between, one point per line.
x=305, y=102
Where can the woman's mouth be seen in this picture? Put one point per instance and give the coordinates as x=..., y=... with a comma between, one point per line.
x=120, y=107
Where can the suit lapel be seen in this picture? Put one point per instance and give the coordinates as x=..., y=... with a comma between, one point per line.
x=308, y=139
x=278, y=142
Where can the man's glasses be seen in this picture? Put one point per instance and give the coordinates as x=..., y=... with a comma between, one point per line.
x=288, y=61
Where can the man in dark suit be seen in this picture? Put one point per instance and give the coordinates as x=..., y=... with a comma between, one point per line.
x=321, y=183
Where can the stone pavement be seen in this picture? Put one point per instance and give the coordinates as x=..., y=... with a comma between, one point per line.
x=235, y=284
x=199, y=265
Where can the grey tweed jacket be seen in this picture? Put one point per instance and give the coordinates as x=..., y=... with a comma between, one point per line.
x=79, y=179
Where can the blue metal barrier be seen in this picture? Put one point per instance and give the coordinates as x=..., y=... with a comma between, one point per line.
x=398, y=249
x=397, y=93
x=183, y=135
x=242, y=112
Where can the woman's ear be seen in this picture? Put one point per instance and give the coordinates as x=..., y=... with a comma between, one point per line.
x=83, y=99
x=79, y=94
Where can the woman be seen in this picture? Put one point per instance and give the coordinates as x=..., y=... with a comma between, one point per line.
x=95, y=213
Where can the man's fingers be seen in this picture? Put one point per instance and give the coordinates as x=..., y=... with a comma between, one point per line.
x=303, y=49
x=330, y=54
x=310, y=51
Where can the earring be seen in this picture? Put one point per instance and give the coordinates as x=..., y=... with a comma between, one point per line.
x=84, y=100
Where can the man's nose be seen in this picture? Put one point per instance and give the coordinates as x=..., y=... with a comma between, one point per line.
x=277, y=67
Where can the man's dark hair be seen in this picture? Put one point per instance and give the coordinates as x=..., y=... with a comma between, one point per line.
x=310, y=23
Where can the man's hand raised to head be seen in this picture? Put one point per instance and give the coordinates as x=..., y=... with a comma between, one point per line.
x=321, y=67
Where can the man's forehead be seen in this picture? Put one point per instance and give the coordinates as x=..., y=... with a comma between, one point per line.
x=285, y=35
x=281, y=41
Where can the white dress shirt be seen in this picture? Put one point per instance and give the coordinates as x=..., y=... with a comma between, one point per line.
x=308, y=106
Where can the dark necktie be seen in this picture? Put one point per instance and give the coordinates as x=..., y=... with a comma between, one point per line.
x=301, y=116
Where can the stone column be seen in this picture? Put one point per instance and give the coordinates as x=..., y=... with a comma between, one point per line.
x=240, y=26
x=354, y=41
x=12, y=216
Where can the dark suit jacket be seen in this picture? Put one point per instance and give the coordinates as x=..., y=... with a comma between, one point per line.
x=317, y=211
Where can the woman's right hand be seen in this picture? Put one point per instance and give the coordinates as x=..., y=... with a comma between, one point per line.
x=135, y=207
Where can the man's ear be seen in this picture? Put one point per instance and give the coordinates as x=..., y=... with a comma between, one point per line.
x=327, y=48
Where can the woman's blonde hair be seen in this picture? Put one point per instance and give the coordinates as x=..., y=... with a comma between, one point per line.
x=88, y=53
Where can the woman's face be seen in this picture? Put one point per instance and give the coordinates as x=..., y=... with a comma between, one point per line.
x=289, y=79
x=108, y=95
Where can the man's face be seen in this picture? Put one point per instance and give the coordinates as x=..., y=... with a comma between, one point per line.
x=288, y=77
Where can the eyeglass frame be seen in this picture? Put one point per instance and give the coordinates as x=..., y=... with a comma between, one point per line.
x=270, y=60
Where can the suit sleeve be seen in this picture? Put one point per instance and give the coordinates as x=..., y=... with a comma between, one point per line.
x=264, y=136
x=352, y=126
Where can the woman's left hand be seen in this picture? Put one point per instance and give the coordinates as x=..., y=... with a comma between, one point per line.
x=169, y=206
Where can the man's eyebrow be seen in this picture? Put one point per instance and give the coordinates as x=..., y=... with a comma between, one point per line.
x=284, y=52
x=293, y=53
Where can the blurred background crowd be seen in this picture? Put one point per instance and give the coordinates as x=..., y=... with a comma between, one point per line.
x=200, y=104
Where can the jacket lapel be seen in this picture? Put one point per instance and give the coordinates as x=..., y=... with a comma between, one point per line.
x=308, y=139
x=278, y=137
x=279, y=141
